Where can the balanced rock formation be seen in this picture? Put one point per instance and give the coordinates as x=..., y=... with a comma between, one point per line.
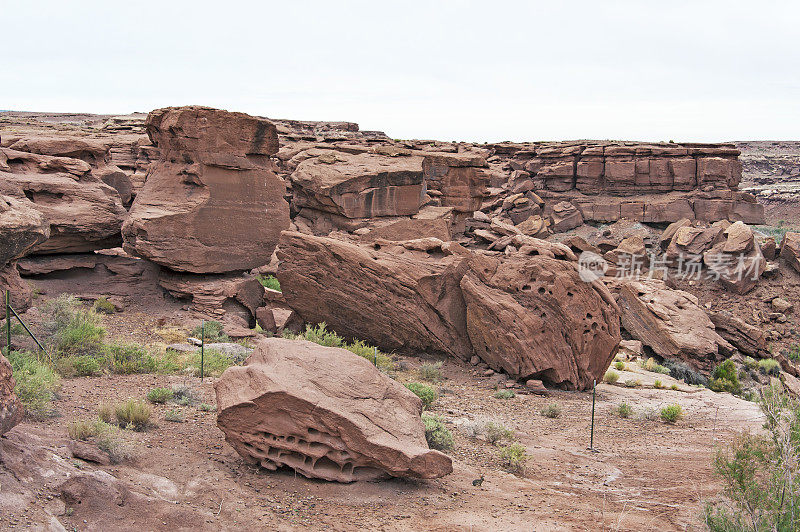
x=528, y=314
x=11, y=410
x=211, y=203
x=324, y=412
x=84, y=213
x=671, y=323
x=360, y=185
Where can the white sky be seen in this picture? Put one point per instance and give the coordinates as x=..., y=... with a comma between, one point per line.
x=450, y=70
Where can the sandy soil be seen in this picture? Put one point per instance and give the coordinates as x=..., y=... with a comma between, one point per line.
x=643, y=474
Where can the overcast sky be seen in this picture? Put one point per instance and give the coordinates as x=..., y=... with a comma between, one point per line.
x=481, y=71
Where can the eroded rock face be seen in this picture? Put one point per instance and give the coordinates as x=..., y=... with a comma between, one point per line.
x=737, y=261
x=216, y=295
x=360, y=185
x=399, y=300
x=324, y=412
x=21, y=228
x=532, y=316
x=211, y=203
x=84, y=213
x=527, y=314
x=461, y=179
x=671, y=323
x=11, y=410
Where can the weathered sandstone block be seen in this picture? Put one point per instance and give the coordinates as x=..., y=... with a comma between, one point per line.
x=324, y=412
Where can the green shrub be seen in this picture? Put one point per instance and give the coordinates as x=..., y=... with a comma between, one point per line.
x=320, y=335
x=769, y=366
x=424, y=392
x=105, y=412
x=112, y=442
x=126, y=359
x=431, y=372
x=205, y=407
x=373, y=354
x=633, y=383
x=496, y=432
x=619, y=365
x=671, y=413
x=513, y=458
x=794, y=352
x=213, y=332
x=83, y=334
x=269, y=281
x=16, y=329
x=751, y=362
x=159, y=395
x=760, y=472
x=84, y=429
x=438, y=436
x=624, y=410
x=504, y=394
x=214, y=363
x=552, y=411
x=103, y=306
x=78, y=366
x=674, y=387
x=651, y=365
x=36, y=383
x=611, y=376
x=184, y=395
x=174, y=415
x=658, y=384
x=133, y=414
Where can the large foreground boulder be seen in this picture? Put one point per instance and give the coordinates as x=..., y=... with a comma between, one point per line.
x=324, y=412
x=528, y=314
x=211, y=203
x=671, y=323
x=11, y=411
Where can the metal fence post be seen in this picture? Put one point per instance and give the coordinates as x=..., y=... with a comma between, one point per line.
x=202, y=347
x=594, y=395
x=8, y=322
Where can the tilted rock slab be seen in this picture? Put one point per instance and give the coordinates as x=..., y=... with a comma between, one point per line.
x=324, y=412
x=671, y=323
x=528, y=314
x=211, y=203
x=790, y=250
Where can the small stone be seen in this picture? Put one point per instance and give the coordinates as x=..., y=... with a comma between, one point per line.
x=781, y=305
x=474, y=360
x=488, y=373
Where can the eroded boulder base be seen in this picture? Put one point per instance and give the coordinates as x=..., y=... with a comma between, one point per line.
x=324, y=412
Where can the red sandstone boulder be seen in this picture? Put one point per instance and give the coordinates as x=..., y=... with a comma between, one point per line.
x=218, y=295
x=460, y=178
x=21, y=228
x=11, y=410
x=324, y=412
x=671, y=323
x=360, y=185
x=737, y=262
x=790, y=250
x=211, y=203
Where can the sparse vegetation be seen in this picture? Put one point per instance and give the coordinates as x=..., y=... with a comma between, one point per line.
x=172, y=335
x=674, y=387
x=725, y=379
x=552, y=411
x=769, y=366
x=619, y=365
x=794, y=353
x=436, y=433
x=214, y=332
x=750, y=363
x=672, y=413
x=652, y=365
x=159, y=395
x=184, y=395
x=426, y=393
x=624, y=410
x=611, y=376
x=680, y=371
x=84, y=429
x=504, y=394
x=133, y=414
x=513, y=458
x=36, y=383
x=106, y=413
x=269, y=281
x=79, y=366
x=761, y=473
x=633, y=383
x=431, y=371
x=658, y=384
x=174, y=415
x=214, y=363
x=496, y=432
x=320, y=335
x=103, y=306
x=205, y=407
